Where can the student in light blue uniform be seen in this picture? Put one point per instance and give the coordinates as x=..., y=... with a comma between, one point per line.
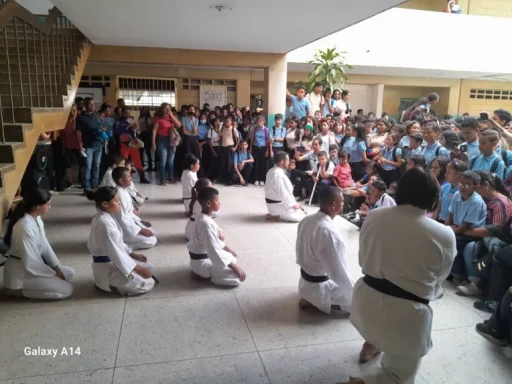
x=415, y=146
x=390, y=160
x=277, y=135
x=300, y=105
x=433, y=148
x=358, y=159
x=453, y=176
x=467, y=210
x=411, y=128
x=349, y=139
x=488, y=160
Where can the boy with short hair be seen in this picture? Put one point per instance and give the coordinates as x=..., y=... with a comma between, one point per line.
x=300, y=105
x=137, y=233
x=415, y=144
x=277, y=135
x=333, y=154
x=242, y=164
x=137, y=198
x=210, y=257
x=433, y=148
x=115, y=161
x=488, y=160
x=467, y=210
x=469, y=128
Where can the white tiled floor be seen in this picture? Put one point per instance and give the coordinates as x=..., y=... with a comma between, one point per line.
x=191, y=332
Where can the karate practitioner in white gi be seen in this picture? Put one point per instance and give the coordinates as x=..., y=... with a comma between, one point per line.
x=137, y=233
x=210, y=257
x=115, y=266
x=405, y=256
x=32, y=269
x=281, y=203
x=325, y=282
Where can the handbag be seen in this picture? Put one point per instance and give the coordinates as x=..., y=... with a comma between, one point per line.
x=174, y=137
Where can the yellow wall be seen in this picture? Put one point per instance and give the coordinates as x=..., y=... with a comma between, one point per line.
x=435, y=5
x=475, y=106
x=393, y=94
x=500, y=8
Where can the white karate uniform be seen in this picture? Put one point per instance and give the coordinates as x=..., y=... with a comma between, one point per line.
x=196, y=210
x=188, y=181
x=278, y=187
x=31, y=261
x=107, y=180
x=416, y=254
x=205, y=240
x=137, y=200
x=106, y=239
x=321, y=252
x=131, y=224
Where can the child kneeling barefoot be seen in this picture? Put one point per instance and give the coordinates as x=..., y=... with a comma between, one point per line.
x=209, y=256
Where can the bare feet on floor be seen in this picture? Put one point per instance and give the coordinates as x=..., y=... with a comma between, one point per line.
x=195, y=276
x=367, y=353
x=10, y=293
x=304, y=303
x=353, y=380
x=270, y=217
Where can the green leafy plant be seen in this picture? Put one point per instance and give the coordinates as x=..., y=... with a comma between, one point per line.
x=330, y=68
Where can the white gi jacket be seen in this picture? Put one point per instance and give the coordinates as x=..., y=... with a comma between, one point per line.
x=29, y=243
x=130, y=223
x=278, y=187
x=107, y=180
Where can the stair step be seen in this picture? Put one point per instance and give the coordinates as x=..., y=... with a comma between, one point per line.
x=24, y=78
x=62, y=69
x=44, y=89
x=4, y=168
x=21, y=115
x=56, y=101
x=7, y=151
x=13, y=133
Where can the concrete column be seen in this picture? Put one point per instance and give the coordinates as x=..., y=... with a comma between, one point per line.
x=454, y=99
x=378, y=94
x=274, y=96
x=243, y=91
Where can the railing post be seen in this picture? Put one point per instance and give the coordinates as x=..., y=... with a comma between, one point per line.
x=19, y=62
x=10, y=80
x=28, y=65
x=42, y=66
x=35, y=65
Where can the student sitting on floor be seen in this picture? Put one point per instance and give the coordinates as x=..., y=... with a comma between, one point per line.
x=137, y=234
x=467, y=210
x=333, y=154
x=488, y=160
x=115, y=161
x=137, y=198
x=433, y=148
x=210, y=257
x=191, y=166
x=321, y=173
x=116, y=268
x=195, y=207
x=32, y=269
x=242, y=164
x=453, y=176
x=342, y=176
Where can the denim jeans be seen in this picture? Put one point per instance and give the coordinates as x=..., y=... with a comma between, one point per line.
x=92, y=166
x=165, y=154
x=470, y=251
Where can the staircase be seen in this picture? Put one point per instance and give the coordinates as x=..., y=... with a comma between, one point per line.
x=42, y=59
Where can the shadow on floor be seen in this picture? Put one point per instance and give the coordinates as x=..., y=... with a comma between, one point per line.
x=172, y=238
x=66, y=246
x=71, y=220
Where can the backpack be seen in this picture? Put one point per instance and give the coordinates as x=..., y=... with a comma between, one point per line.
x=494, y=166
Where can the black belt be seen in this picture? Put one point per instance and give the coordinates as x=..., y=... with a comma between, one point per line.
x=187, y=198
x=270, y=201
x=196, y=256
x=192, y=219
x=101, y=259
x=313, y=279
x=388, y=288
x=15, y=257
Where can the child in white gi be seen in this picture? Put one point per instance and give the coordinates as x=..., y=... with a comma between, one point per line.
x=137, y=198
x=115, y=266
x=195, y=207
x=116, y=161
x=191, y=166
x=209, y=256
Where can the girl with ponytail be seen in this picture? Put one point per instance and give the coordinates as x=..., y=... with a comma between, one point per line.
x=32, y=269
x=195, y=207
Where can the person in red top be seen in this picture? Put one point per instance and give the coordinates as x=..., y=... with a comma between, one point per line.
x=165, y=139
x=71, y=145
x=342, y=176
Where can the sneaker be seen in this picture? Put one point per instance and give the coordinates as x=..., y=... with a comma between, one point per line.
x=494, y=337
x=488, y=306
x=262, y=183
x=469, y=290
x=145, y=181
x=301, y=198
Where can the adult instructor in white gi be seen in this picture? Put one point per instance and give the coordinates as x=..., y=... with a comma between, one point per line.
x=281, y=203
x=405, y=256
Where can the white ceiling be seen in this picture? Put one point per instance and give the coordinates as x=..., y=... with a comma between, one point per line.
x=39, y=7
x=250, y=26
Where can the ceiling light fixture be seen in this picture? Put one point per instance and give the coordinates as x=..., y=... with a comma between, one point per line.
x=221, y=8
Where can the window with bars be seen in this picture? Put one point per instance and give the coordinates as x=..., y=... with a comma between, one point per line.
x=94, y=81
x=490, y=94
x=194, y=84
x=147, y=92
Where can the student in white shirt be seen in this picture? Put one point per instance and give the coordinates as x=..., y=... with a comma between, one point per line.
x=116, y=268
x=137, y=198
x=326, y=135
x=116, y=161
x=325, y=282
x=404, y=265
x=32, y=269
x=137, y=233
x=316, y=99
x=210, y=257
x=191, y=166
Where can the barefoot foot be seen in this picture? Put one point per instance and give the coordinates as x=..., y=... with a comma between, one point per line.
x=367, y=353
x=304, y=303
x=353, y=380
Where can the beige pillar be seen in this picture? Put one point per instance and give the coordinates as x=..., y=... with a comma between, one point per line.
x=378, y=97
x=454, y=99
x=243, y=91
x=274, y=96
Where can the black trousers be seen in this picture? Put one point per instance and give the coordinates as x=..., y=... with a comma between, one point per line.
x=389, y=176
x=146, y=138
x=501, y=320
x=358, y=170
x=214, y=165
x=59, y=162
x=226, y=163
x=190, y=145
x=203, y=171
x=501, y=273
x=260, y=163
x=245, y=172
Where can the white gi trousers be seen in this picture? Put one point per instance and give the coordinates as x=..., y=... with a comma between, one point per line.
x=141, y=242
x=219, y=276
x=37, y=287
x=324, y=295
x=285, y=214
x=400, y=328
x=108, y=278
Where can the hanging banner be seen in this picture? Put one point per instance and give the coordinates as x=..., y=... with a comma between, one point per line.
x=214, y=95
